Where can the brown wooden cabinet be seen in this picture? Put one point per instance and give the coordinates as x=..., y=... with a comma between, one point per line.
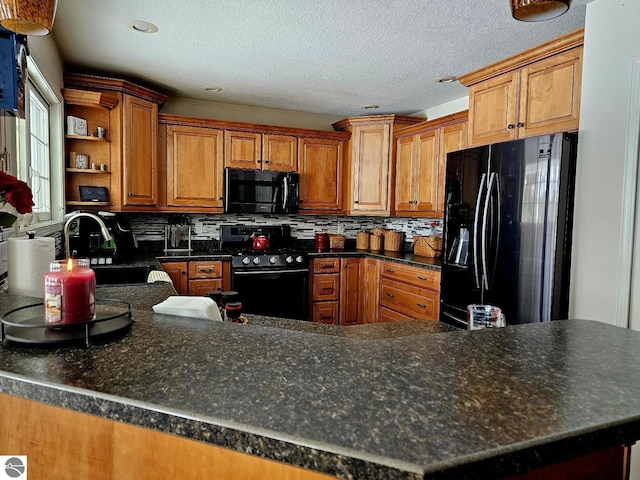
x=371, y=290
x=421, y=155
x=139, y=152
x=129, y=114
x=370, y=173
x=82, y=151
x=320, y=164
x=261, y=151
x=179, y=274
x=533, y=93
x=413, y=292
x=198, y=277
x=194, y=167
x=351, y=291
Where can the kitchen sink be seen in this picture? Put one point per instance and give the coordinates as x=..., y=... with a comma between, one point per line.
x=121, y=274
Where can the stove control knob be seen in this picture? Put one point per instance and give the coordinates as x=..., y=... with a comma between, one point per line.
x=299, y=259
x=289, y=259
x=246, y=261
x=256, y=260
x=273, y=260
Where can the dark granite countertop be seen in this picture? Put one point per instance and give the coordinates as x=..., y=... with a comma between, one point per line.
x=385, y=402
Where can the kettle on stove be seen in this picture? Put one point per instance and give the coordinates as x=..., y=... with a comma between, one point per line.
x=260, y=241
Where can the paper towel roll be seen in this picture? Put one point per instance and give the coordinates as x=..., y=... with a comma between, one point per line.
x=29, y=260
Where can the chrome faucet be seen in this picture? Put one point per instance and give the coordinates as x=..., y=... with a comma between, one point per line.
x=105, y=232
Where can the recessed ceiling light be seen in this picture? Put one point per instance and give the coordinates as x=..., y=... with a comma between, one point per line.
x=370, y=107
x=142, y=26
x=213, y=89
x=446, y=79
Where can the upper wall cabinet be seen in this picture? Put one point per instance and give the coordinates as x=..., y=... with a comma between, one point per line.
x=533, y=93
x=261, y=151
x=127, y=152
x=320, y=161
x=421, y=156
x=369, y=169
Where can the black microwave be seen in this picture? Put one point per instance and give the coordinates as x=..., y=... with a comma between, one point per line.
x=260, y=191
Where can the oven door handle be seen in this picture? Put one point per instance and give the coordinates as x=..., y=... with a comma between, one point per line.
x=259, y=272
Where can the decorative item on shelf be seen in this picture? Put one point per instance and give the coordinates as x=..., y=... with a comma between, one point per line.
x=89, y=193
x=100, y=132
x=76, y=126
x=362, y=240
x=32, y=17
x=427, y=246
x=538, y=10
x=78, y=160
x=393, y=240
x=15, y=198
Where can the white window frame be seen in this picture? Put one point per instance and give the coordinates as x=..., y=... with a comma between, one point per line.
x=51, y=225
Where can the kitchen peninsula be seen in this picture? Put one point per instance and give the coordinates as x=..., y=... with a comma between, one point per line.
x=389, y=401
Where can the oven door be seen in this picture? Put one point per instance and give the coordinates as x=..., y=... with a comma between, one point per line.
x=273, y=292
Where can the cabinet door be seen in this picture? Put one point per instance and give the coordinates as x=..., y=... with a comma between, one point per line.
x=350, y=298
x=371, y=168
x=177, y=271
x=139, y=152
x=406, y=150
x=550, y=95
x=371, y=287
x=279, y=152
x=492, y=110
x=194, y=167
x=242, y=150
x=452, y=138
x=426, y=171
x=326, y=287
x=199, y=288
x=320, y=175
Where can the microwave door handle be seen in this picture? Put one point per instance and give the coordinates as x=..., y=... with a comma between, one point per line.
x=226, y=190
x=285, y=197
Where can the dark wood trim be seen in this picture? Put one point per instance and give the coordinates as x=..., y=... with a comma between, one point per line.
x=375, y=119
x=82, y=80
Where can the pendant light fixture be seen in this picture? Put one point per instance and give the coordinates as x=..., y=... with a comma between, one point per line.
x=538, y=10
x=28, y=17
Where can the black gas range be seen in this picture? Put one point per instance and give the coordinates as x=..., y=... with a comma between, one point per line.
x=271, y=282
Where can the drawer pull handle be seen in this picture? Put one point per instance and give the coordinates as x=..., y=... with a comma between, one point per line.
x=421, y=305
x=422, y=278
x=326, y=266
x=390, y=270
x=205, y=270
x=327, y=289
x=390, y=295
x=325, y=317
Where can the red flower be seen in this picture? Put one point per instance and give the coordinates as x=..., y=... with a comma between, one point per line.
x=16, y=192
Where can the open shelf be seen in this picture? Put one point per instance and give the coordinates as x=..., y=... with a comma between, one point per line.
x=86, y=137
x=88, y=170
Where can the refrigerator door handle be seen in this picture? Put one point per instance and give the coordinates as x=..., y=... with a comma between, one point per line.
x=476, y=270
x=485, y=270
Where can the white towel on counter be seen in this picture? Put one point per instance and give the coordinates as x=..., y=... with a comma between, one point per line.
x=185, y=306
x=158, y=276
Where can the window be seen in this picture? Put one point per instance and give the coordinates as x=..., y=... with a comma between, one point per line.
x=39, y=154
x=40, y=157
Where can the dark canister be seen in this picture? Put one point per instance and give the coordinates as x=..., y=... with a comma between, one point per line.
x=322, y=241
x=228, y=297
x=233, y=311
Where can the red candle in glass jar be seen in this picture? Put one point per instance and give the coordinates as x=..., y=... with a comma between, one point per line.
x=69, y=292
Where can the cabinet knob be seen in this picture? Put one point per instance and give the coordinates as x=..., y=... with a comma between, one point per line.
x=356, y=202
x=130, y=194
x=221, y=198
x=520, y=125
x=389, y=295
x=511, y=126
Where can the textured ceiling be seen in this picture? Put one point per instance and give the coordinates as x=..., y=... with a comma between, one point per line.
x=321, y=56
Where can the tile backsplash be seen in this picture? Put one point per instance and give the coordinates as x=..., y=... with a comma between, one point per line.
x=150, y=227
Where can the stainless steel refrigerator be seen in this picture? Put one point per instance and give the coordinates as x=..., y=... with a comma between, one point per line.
x=507, y=229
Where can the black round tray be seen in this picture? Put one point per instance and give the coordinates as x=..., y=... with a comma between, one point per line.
x=26, y=324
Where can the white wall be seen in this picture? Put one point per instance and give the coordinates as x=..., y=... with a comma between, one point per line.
x=244, y=113
x=448, y=108
x=612, y=40
x=45, y=54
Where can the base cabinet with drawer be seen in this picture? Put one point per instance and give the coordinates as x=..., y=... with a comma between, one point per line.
x=198, y=277
x=336, y=291
x=408, y=292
